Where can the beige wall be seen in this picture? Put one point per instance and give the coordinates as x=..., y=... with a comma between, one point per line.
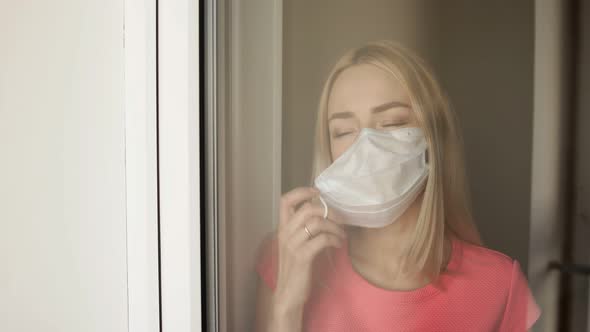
x=486, y=65
x=62, y=174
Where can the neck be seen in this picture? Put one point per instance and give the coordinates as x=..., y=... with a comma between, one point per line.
x=390, y=239
x=382, y=248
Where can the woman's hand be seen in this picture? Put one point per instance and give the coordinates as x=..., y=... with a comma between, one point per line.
x=297, y=249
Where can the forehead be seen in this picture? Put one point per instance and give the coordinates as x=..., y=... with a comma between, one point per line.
x=363, y=86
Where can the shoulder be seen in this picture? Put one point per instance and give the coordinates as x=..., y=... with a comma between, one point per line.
x=484, y=270
x=503, y=277
x=486, y=260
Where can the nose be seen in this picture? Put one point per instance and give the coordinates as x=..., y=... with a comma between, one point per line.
x=368, y=124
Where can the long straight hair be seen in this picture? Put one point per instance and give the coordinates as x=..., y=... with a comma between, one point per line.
x=446, y=204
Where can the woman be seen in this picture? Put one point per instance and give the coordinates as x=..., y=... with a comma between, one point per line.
x=384, y=240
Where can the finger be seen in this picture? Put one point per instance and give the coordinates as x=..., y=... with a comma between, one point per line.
x=312, y=247
x=329, y=213
x=293, y=198
x=318, y=209
x=302, y=216
x=305, y=204
x=316, y=226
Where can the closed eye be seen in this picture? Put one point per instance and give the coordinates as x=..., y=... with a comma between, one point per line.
x=394, y=124
x=343, y=134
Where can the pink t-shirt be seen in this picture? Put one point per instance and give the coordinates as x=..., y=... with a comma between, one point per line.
x=481, y=290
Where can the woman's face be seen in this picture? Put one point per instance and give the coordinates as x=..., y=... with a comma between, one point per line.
x=365, y=96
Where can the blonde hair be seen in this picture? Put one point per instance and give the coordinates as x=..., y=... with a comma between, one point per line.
x=445, y=205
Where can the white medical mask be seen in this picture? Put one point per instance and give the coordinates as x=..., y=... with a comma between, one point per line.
x=377, y=178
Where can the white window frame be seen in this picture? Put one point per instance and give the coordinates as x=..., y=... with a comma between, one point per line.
x=178, y=112
x=162, y=165
x=141, y=166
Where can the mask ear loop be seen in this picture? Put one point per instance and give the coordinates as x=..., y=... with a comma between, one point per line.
x=325, y=208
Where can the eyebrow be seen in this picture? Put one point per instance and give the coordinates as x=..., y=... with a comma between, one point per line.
x=376, y=109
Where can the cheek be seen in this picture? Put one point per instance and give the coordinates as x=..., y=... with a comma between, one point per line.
x=338, y=147
x=334, y=153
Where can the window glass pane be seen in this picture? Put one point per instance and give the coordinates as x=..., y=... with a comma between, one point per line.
x=433, y=134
